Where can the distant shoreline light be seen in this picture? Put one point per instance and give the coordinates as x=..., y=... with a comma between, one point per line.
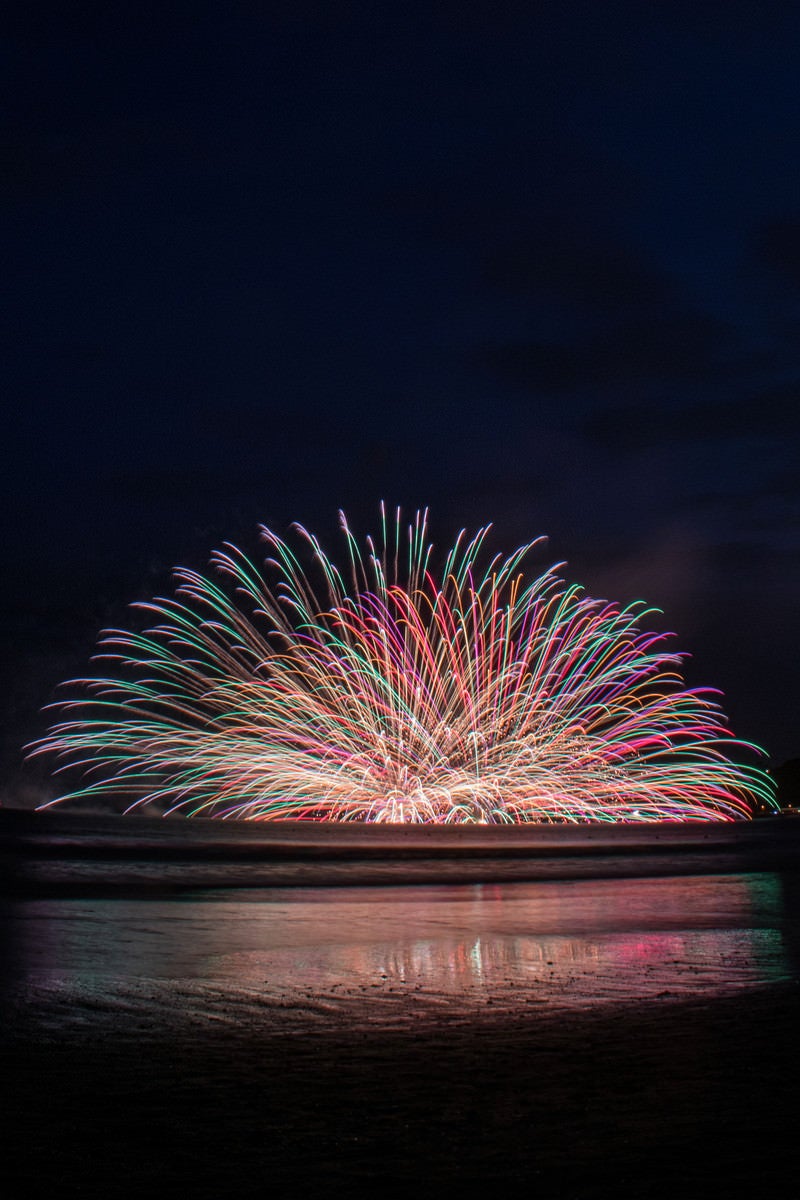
x=387, y=692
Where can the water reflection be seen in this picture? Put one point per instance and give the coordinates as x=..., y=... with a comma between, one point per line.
x=392, y=953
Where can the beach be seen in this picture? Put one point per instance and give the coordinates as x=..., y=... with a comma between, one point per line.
x=602, y=1035
x=691, y=1098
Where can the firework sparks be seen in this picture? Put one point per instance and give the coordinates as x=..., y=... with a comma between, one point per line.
x=386, y=692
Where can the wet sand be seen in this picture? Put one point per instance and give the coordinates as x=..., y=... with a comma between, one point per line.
x=692, y=1098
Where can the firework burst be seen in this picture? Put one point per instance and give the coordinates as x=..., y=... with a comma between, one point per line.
x=387, y=693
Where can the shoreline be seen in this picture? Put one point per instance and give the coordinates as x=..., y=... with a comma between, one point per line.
x=74, y=854
x=63, y=827
x=78, y=854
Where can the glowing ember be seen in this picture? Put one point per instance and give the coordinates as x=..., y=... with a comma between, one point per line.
x=391, y=694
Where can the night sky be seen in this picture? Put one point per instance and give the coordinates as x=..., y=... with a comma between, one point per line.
x=536, y=265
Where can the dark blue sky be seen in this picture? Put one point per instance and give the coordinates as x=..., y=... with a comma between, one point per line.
x=530, y=264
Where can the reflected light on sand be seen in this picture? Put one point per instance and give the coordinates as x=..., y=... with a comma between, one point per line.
x=390, y=956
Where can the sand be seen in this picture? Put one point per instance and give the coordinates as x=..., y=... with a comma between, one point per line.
x=690, y=1098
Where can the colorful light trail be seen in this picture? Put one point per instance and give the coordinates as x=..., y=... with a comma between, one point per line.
x=388, y=692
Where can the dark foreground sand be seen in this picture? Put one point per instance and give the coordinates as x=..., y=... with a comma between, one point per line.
x=691, y=1098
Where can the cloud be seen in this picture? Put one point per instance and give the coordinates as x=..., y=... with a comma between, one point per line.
x=588, y=272
x=658, y=349
x=777, y=246
x=771, y=414
x=670, y=570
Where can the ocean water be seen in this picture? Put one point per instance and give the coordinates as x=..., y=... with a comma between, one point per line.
x=109, y=926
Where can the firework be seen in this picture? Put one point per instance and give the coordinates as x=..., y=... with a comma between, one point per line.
x=387, y=692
